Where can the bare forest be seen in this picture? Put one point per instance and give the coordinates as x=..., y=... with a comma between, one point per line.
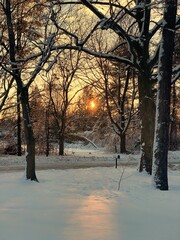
x=106, y=72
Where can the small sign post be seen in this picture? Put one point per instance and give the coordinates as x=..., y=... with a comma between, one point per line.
x=118, y=157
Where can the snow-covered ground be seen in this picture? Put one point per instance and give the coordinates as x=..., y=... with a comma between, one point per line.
x=78, y=157
x=78, y=204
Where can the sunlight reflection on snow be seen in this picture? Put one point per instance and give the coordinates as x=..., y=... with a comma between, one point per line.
x=94, y=219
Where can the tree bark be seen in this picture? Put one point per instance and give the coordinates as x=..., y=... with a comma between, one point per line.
x=147, y=113
x=145, y=85
x=61, y=144
x=19, y=148
x=30, y=141
x=61, y=135
x=123, y=143
x=47, y=131
x=161, y=140
x=173, y=123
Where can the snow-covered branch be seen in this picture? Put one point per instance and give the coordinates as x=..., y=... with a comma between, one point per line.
x=46, y=53
x=157, y=26
x=109, y=23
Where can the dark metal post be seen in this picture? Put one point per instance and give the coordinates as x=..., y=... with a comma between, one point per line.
x=118, y=157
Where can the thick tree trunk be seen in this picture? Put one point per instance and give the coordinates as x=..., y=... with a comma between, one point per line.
x=161, y=140
x=29, y=136
x=173, y=124
x=147, y=113
x=123, y=143
x=146, y=96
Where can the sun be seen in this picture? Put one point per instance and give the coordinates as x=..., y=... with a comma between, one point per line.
x=92, y=104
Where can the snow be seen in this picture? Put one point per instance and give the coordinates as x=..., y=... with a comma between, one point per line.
x=78, y=204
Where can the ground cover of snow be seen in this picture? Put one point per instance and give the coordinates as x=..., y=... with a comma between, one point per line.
x=78, y=204
x=78, y=157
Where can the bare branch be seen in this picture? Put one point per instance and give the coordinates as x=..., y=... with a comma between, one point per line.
x=6, y=93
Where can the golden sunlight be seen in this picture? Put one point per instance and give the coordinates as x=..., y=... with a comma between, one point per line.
x=92, y=104
x=94, y=218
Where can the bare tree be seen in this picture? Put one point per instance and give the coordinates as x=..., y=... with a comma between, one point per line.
x=62, y=92
x=36, y=50
x=137, y=37
x=141, y=38
x=117, y=84
x=119, y=90
x=161, y=140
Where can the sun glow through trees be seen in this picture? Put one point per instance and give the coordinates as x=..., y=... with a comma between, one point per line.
x=92, y=105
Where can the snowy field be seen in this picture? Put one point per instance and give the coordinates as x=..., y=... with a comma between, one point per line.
x=78, y=157
x=79, y=204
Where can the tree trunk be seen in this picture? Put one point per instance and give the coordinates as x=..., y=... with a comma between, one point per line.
x=47, y=132
x=173, y=124
x=146, y=96
x=19, y=149
x=61, y=143
x=122, y=117
x=147, y=113
x=161, y=140
x=61, y=133
x=29, y=136
x=123, y=143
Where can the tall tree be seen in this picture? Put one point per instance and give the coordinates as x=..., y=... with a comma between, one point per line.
x=142, y=57
x=161, y=140
x=30, y=158
x=138, y=37
x=145, y=83
x=61, y=90
x=35, y=54
x=117, y=85
x=173, y=141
